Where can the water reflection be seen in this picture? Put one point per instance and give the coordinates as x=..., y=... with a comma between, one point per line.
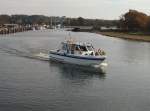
x=70, y=71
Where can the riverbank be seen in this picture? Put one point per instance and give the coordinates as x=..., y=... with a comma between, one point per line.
x=126, y=35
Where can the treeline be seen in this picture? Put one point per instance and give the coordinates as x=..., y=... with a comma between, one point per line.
x=40, y=19
x=24, y=19
x=90, y=22
x=130, y=21
x=135, y=21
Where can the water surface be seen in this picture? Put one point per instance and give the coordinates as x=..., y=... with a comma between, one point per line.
x=28, y=84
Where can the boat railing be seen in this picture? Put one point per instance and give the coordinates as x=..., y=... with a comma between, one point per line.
x=101, y=52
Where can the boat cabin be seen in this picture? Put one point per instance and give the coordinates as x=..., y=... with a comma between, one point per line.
x=77, y=48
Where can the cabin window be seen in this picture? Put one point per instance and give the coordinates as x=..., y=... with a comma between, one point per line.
x=89, y=48
x=83, y=48
x=77, y=48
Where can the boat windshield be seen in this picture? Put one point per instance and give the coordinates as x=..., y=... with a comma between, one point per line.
x=90, y=48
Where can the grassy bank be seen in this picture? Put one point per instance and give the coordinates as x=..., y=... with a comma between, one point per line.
x=127, y=35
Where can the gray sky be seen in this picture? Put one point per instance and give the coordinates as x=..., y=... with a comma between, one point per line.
x=103, y=9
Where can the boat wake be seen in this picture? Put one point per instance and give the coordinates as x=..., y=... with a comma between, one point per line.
x=30, y=53
x=42, y=54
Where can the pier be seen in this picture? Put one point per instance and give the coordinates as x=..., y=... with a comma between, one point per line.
x=14, y=28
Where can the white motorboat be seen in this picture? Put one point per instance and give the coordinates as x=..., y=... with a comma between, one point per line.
x=78, y=53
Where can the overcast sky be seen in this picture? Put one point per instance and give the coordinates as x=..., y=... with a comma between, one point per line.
x=102, y=9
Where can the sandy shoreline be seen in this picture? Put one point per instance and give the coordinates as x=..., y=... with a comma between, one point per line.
x=123, y=35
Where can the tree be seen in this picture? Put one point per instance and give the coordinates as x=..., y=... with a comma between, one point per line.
x=4, y=19
x=134, y=21
x=80, y=21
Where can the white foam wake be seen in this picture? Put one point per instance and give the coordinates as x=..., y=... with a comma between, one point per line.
x=41, y=56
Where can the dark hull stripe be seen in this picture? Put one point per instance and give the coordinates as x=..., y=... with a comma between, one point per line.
x=77, y=57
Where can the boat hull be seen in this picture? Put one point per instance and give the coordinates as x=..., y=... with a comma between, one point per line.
x=85, y=61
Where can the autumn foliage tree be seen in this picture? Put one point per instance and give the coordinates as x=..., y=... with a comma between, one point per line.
x=134, y=21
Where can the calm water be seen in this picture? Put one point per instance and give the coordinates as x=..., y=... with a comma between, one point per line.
x=28, y=84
